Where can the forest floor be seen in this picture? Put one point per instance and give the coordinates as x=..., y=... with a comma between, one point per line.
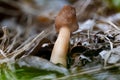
x=27, y=37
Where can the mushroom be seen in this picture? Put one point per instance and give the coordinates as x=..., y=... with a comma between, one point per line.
x=65, y=23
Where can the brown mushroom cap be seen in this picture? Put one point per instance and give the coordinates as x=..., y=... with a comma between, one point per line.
x=66, y=18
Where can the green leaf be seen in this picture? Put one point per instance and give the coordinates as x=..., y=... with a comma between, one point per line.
x=114, y=4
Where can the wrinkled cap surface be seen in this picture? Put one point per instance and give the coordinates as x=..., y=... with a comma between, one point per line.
x=66, y=18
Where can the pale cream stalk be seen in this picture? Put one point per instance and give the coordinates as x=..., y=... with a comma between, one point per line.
x=60, y=50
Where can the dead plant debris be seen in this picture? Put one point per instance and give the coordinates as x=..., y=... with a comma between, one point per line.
x=27, y=35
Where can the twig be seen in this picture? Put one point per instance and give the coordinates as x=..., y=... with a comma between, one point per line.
x=10, y=47
x=109, y=22
x=25, y=42
x=108, y=54
x=111, y=44
x=90, y=71
x=3, y=54
x=39, y=37
x=5, y=38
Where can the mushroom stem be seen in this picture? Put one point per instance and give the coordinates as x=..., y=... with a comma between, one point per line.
x=60, y=49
